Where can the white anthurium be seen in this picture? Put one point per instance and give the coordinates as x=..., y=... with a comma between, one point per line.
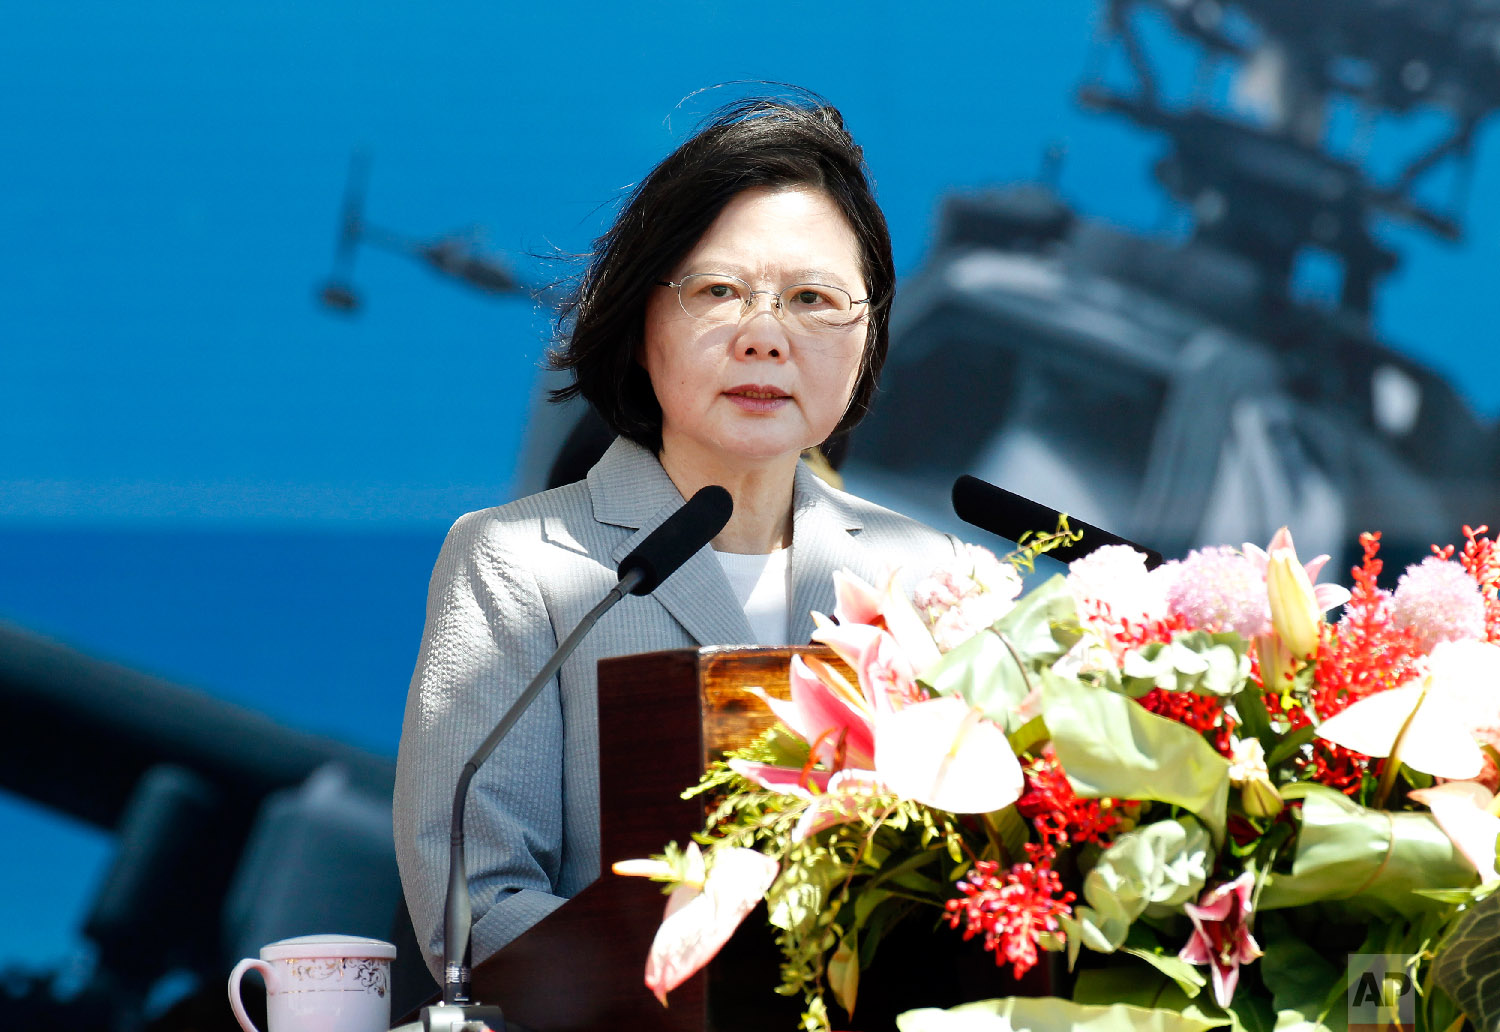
x=1465, y=812
x=701, y=916
x=1434, y=710
x=945, y=754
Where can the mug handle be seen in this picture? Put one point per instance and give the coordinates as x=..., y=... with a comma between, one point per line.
x=234, y=989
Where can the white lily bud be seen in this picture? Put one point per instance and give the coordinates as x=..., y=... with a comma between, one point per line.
x=1295, y=614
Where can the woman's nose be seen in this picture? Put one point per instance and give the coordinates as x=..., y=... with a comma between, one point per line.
x=761, y=333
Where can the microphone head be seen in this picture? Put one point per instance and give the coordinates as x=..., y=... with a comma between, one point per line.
x=670, y=545
x=1009, y=515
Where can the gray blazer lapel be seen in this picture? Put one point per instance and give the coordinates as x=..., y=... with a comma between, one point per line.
x=629, y=489
x=823, y=540
x=699, y=597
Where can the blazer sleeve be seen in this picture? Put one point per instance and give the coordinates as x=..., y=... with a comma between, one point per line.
x=487, y=633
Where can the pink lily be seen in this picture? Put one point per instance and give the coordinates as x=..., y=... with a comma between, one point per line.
x=805, y=784
x=831, y=797
x=886, y=676
x=1466, y=811
x=939, y=752
x=855, y=601
x=1221, y=934
x=840, y=804
x=826, y=716
x=1328, y=595
x=1324, y=596
x=700, y=917
x=888, y=608
x=1297, y=602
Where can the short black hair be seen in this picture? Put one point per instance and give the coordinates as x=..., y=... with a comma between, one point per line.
x=755, y=142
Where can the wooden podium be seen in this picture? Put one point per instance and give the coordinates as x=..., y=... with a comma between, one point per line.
x=663, y=716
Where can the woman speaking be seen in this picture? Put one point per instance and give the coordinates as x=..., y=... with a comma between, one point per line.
x=734, y=315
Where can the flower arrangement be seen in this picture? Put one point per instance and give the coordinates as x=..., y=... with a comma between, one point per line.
x=1204, y=786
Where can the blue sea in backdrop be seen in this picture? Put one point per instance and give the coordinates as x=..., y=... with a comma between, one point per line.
x=317, y=629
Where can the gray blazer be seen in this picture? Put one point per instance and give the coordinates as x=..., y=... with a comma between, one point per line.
x=509, y=584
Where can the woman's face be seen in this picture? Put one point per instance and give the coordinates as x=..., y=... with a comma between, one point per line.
x=758, y=387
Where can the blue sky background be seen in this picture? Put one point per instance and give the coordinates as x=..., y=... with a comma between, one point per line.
x=205, y=475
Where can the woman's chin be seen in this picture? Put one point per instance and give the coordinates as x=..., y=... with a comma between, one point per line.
x=758, y=449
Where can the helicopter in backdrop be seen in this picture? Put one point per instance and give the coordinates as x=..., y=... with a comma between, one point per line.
x=456, y=256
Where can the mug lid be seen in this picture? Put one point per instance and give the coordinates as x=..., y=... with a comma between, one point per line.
x=327, y=946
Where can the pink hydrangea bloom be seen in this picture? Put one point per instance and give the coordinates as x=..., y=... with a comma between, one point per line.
x=1439, y=601
x=967, y=595
x=1220, y=587
x=1115, y=578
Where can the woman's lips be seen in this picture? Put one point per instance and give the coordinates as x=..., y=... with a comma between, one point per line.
x=757, y=397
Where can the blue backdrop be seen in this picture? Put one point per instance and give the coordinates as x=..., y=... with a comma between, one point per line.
x=206, y=476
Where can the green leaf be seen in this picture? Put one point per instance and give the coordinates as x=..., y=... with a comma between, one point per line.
x=983, y=673
x=1029, y=735
x=1049, y=1014
x=1142, y=942
x=1044, y=623
x=800, y=894
x=1013, y=831
x=1112, y=746
x=1193, y=661
x=910, y=864
x=1129, y=984
x=1468, y=965
x=1165, y=863
x=1299, y=979
x=1252, y=1012
x=1373, y=858
x=1250, y=706
x=843, y=972
x=1454, y=897
x=885, y=915
x=1187, y=977
x=1289, y=745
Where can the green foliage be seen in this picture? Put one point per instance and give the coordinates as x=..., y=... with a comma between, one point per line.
x=1111, y=747
x=1165, y=863
x=1050, y=1014
x=1306, y=989
x=1035, y=544
x=1142, y=942
x=1132, y=984
x=1374, y=859
x=1468, y=967
x=997, y=668
x=1194, y=661
x=984, y=673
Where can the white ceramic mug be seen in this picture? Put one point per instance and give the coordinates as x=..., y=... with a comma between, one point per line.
x=320, y=983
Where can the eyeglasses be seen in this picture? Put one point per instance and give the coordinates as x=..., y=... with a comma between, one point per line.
x=714, y=297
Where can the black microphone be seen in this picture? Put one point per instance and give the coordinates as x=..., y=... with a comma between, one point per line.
x=641, y=572
x=671, y=544
x=1010, y=515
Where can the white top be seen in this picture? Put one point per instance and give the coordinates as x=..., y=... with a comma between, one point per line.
x=760, y=586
